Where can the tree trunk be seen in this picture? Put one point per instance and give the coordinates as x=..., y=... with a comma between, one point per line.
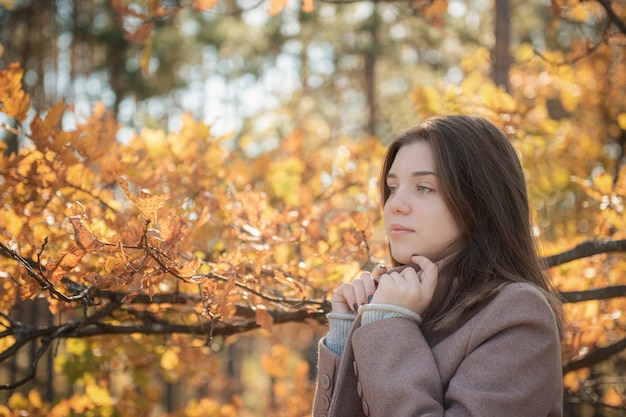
x=502, y=60
x=370, y=74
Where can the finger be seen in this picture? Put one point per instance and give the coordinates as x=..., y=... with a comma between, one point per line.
x=369, y=286
x=360, y=294
x=346, y=291
x=429, y=271
x=378, y=271
x=398, y=277
x=411, y=274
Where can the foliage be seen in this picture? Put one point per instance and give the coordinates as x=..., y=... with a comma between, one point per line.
x=155, y=253
x=174, y=232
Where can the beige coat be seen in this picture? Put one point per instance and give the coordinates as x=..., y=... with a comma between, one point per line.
x=502, y=361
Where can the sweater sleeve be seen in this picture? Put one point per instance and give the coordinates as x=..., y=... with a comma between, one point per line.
x=338, y=328
x=506, y=363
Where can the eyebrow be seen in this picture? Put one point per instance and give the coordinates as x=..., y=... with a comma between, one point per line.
x=414, y=174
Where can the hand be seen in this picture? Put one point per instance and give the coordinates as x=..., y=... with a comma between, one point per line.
x=409, y=288
x=349, y=296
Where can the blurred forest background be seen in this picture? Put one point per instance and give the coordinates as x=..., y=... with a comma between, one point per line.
x=184, y=182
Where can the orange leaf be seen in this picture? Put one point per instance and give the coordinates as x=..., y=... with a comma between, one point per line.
x=187, y=269
x=263, y=318
x=77, y=209
x=84, y=238
x=68, y=261
x=436, y=7
x=140, y=35
x=202, y=5
x=308, y=6
x=276, y=6
x=29, y=288
x=41, y=130
x=171, y=229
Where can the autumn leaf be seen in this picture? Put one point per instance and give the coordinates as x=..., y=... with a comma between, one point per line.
x=144, y=61
x=308, y=6
x=29, y=288
x=186, y=268
x=147, y=204
x=14, y=101
x=203, y=5
x=436, y=7
x=276, y=6
x=263, y=318
x=66, y=262
x=603, y=183
x=134, y=289
x=84, y=238
x=42, y=130
x=141, y=34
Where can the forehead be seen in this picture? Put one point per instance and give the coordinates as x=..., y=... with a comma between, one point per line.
x=415, y=156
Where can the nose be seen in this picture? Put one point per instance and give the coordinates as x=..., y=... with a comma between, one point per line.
x=397, y=203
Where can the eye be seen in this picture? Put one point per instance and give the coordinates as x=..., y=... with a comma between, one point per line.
x=422, y=189
x=392, y=188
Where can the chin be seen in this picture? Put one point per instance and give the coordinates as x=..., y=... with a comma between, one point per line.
x=402, y=258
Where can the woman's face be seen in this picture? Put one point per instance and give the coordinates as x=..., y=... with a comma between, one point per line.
x=417, y=221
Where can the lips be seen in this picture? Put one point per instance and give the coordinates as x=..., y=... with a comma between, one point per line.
x=396, y=230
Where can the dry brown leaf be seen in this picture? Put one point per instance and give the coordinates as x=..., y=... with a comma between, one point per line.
x=83, y=237
x=263, y=318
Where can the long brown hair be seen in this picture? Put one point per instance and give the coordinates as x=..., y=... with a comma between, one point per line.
x=483, y=185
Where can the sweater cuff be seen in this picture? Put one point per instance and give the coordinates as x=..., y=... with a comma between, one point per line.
x=373, y=312
x=339, y=327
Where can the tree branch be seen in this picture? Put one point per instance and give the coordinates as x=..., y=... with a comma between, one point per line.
x=595, y=294
x=612, y=16
x=597, y=355
x=584, y=250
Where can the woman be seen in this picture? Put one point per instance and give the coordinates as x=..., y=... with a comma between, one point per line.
x=466, y=324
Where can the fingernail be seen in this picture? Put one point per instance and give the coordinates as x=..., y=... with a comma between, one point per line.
x=369, y=298
x=382, y=266
x=356, y=307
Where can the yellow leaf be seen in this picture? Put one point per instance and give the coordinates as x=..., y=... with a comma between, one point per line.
x=4, y=411
x=35, y=399
x=12, y=222
x=169, y=359
x=145, y=56
x=621, y=121
x=14, y=101
x=98, y=395
x=147, y=204
x=18, y=402
x=604, y=183
x=285, y=177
